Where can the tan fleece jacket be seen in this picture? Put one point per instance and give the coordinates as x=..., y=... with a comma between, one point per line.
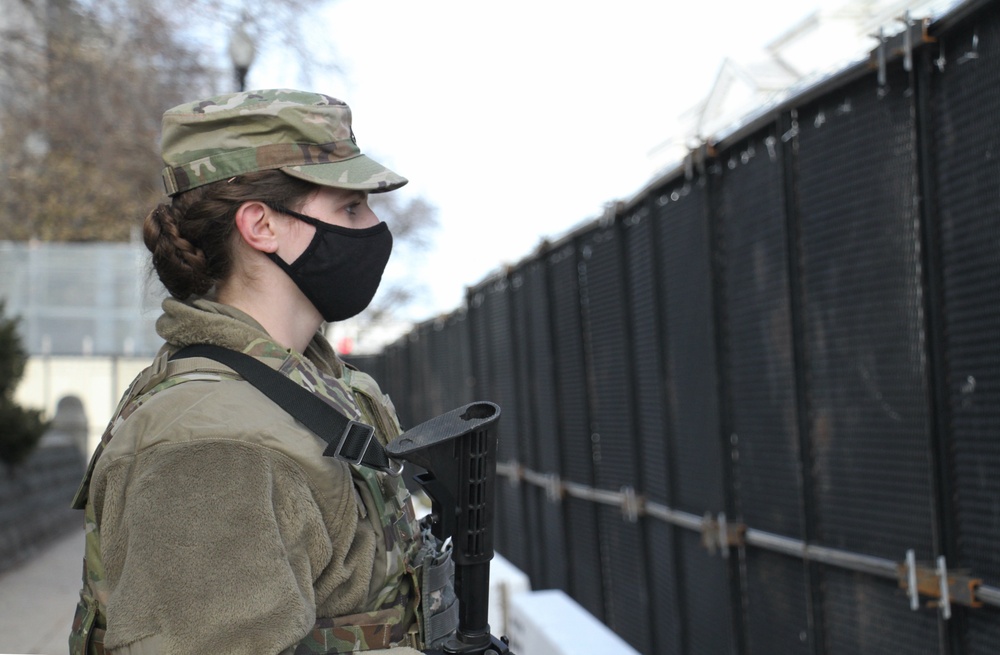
x=223, y=528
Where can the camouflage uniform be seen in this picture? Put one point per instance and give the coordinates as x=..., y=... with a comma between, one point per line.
x=216, y=472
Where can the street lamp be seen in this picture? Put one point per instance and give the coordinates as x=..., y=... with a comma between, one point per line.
x=242, y=52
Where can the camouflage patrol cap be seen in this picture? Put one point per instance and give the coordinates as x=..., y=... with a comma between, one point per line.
x=306, y=135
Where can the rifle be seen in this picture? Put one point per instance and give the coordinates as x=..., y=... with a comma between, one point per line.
x=458, y=451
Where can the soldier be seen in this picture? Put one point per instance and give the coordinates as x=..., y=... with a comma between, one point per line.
x=214, y=523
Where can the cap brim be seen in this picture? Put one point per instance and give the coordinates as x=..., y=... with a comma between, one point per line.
x=359, y=173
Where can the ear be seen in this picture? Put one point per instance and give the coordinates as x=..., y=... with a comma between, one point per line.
x=256, y=224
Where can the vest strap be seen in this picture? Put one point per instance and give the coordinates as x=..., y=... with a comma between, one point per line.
x=346, y=439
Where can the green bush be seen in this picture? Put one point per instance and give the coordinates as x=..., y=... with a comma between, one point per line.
x=20, y=428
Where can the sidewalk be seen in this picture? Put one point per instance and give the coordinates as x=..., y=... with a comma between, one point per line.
x=38, y=598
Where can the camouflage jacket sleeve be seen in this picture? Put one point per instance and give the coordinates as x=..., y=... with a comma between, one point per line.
x=217, y=535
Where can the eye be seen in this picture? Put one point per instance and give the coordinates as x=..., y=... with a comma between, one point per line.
x=352, y=209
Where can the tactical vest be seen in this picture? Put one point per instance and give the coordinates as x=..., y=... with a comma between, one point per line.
x=415, y=607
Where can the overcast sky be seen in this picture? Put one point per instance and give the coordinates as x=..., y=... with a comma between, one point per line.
x=520, y=119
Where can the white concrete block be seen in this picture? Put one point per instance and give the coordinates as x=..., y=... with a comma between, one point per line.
x=549, y=622
x=506, y=580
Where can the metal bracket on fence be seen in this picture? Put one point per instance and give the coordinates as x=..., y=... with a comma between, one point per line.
x=974, y=52
x=631, y=504
x=550, y=482
x=717, y=534
x=706, y=153
x=881, y=59
x=723, y=535
x=937, y=582
x=793, y=130
x=945, y=603
x=708, y=533
x=911, y=580
x=914, y=32
x=907, y=42
x=554, y=488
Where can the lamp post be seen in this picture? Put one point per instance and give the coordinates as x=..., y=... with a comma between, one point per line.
x=241, y=52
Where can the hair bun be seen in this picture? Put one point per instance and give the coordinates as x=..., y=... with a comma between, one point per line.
x=179, y=264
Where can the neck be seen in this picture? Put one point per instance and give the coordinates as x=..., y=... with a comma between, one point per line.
x=277, y=304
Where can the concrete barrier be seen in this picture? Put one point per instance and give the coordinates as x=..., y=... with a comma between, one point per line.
x=549, y=622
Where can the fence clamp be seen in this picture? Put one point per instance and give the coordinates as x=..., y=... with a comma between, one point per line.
x=553, y=488
x=900, y=44
x=717, y=534
x=879, y=58
x=937, y=582
x=632, y=504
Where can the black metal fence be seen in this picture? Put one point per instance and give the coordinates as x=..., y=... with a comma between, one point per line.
x=35, y=499
x=757, y=409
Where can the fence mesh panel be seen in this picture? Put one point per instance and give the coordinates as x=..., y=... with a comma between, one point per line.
x=864, y=320
x=651, y=421
x=610, y=374
x=685, y=274
x=762, y=379
x=965, y=104
x=492, y=303
x=540, y=441
x=586, y=577
x=777, y=605
x=869, y=617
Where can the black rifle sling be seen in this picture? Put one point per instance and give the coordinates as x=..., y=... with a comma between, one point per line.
x=346, y=439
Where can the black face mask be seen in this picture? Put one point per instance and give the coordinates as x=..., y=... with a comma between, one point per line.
x=342, y=267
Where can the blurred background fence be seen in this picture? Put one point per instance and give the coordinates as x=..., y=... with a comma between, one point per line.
x=756, y=409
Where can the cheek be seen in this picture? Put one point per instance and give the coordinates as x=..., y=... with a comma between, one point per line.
x=295, y=241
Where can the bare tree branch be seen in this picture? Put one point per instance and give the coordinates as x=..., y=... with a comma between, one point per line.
x=83, y=86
